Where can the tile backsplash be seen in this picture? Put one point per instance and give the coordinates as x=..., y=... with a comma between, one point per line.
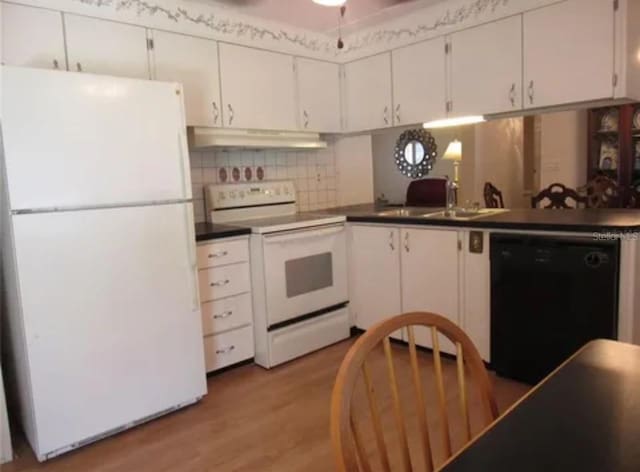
x=313, y=171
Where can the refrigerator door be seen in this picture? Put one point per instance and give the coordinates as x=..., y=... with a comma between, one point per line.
x=82, y=140
x=111, y=317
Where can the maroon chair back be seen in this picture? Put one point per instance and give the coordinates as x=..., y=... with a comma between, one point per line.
x=427, y=193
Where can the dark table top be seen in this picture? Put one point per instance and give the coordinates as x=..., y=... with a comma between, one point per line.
x=585, y=417
x=578, y=220
x=208, y=231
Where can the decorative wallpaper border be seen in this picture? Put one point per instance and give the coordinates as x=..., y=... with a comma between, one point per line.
x=218, y=24
x=448, y=19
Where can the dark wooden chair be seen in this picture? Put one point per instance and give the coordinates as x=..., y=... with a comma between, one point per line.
x=601, y=192
x=427, y=193
x=634, y=196
x=492, y=196
x=558, y=195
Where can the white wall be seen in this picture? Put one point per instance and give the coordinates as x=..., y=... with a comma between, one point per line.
x=499, y=159
x=563, y=148
x=354, y=167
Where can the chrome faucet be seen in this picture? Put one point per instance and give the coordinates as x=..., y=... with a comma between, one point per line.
x=452, y=197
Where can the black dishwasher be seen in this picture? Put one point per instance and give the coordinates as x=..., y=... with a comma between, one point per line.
x=549, y=297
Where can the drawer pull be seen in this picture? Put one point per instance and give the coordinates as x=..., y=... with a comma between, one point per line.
x=226, y=350
x=221, y=283
x=218, y=254
x=221, y=316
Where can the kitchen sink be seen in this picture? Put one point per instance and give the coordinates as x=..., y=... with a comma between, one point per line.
x=465, y=215
x=416, y=212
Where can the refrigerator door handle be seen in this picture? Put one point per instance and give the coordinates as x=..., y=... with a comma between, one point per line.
x=193, y=261
x=184, y=169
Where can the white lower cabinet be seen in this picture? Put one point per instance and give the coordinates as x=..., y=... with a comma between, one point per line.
x=225, y=293
x=403, y=269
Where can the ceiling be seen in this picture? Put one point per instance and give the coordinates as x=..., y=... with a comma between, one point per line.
x=308, y=15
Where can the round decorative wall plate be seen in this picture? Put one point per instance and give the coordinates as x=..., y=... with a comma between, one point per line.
x=415, y=153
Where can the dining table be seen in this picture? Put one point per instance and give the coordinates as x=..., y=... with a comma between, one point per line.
x=585, y=416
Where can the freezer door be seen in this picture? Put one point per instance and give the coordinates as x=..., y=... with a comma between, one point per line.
x=75, y=139
x=111, y=317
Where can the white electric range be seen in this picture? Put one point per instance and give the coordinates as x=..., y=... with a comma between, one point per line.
x=299, y=268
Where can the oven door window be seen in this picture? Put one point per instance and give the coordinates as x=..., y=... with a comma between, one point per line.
x=308, y=274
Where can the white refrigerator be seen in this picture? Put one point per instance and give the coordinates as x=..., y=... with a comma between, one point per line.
x=99, y=255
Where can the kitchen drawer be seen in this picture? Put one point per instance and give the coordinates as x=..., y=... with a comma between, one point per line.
x=224, y=281
x=221, y=350
x=226, y=314
x=222, y=253
x=307, y=336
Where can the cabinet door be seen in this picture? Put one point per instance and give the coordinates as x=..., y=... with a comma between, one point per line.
x=106, y=47
x=430, y=269
x=368, y=93
x=319, y=92
x=476, y=291
x=419, y=82
x=258, y=88
x=568, y=53
x=32, y=37
x=375, y=274
x=194, y=63
x=486, y=68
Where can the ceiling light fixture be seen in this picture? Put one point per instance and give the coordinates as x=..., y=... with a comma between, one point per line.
x=448, y=122
x=330, y=3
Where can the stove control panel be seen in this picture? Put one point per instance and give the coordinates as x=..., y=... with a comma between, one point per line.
x=224, y=196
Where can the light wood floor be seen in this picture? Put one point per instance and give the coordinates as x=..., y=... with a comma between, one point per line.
x=252, y=420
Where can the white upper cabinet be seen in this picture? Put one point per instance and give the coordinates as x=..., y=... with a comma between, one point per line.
x=368, y=93
x=319, y=95
x=568, y=53
x=430, y=277
x=32, y=37
x=486, y=68
x=194, y=63
x=419, y=82
x=258, y=88
x=106, y=47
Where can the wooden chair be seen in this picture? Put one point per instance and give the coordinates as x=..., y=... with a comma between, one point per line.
x=492, y=196
x=601, y=192
x=634, y=196
x=558, y=195
x=346, y=433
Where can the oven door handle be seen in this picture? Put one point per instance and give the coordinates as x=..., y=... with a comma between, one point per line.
x=307, y=233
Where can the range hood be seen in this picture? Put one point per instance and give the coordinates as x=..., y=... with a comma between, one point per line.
x=207, y=138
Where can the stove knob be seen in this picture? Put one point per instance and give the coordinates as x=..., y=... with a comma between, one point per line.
x=278, y=191
x=241, y=193
x=286, y=190
x=232, y=194
x=220, y=195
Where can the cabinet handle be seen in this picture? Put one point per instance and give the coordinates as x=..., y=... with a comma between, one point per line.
x=224, y=315
x=230, y=113
x=226, y=350
x=306, y=118
x=218, y=254
x=385, y=115
x=56, y=65
x=398, y=113
x=221, y=283
x=391, y=245
x=79, y=67
x=531, y=92
x=512, y=95
x=216, y=113
x=406, y=242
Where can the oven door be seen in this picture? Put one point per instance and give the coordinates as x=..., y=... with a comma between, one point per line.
x=305, y=272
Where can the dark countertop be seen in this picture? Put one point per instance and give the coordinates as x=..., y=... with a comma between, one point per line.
x=208, y=231
x=580, y=220
x=585, y=417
